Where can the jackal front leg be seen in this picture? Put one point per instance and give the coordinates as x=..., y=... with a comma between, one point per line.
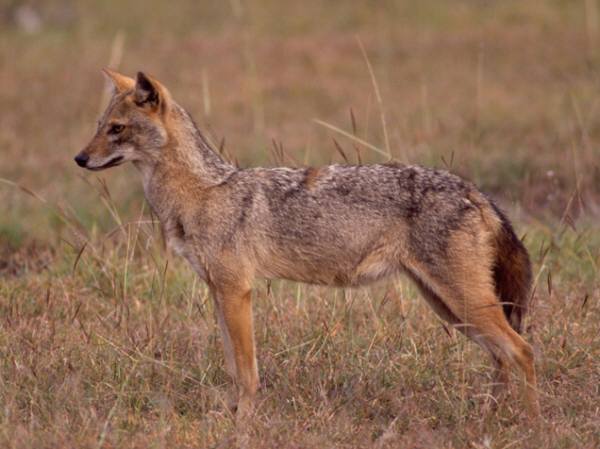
x=230, y=366
x=234, y=313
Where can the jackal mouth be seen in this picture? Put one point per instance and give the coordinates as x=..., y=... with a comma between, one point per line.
x=111, y=163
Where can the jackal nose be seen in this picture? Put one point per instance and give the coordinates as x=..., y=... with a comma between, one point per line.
x=81, y=159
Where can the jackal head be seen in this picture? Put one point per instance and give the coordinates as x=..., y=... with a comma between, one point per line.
x=133, y=126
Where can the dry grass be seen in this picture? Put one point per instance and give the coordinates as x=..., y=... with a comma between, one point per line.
x=103, y=343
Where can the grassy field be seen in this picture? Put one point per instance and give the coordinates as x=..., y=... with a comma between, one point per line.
x=106, y=341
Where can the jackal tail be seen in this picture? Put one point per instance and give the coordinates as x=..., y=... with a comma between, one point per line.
x=512, y=273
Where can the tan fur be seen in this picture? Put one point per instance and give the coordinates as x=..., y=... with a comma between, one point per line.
x=312, y=176
x=334, y=225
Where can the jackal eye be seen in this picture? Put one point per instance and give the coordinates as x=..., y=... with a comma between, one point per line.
x=116, y=129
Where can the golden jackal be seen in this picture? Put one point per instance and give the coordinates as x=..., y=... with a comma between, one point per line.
x=335, y=225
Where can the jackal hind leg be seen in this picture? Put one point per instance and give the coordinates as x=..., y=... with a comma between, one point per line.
x=500, y=377
x=235, y=318
x=468, y=297
x=509, y=349
x=500, y=382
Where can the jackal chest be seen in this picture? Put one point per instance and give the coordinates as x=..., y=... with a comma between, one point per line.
x=182, y=245
x=175, y=236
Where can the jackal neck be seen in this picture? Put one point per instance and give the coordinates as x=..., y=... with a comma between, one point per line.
x=187, y=154
x=191, y=150
x=187, y=163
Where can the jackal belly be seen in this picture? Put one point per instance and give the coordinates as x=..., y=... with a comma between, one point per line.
x=335, y=266
x=334, y=275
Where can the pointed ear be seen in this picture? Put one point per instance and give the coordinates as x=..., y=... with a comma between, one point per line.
x=120, y=83
x=150, y=93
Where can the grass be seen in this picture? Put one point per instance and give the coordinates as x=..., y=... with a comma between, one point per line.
x=107, y=341
x=123, y=348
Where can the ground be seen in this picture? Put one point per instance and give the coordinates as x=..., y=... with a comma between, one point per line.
x=108, y=341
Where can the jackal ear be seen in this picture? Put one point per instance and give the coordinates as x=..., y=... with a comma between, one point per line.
x=120, y=83
x=148, y=92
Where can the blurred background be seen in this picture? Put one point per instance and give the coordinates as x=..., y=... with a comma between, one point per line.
x=502, y=92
